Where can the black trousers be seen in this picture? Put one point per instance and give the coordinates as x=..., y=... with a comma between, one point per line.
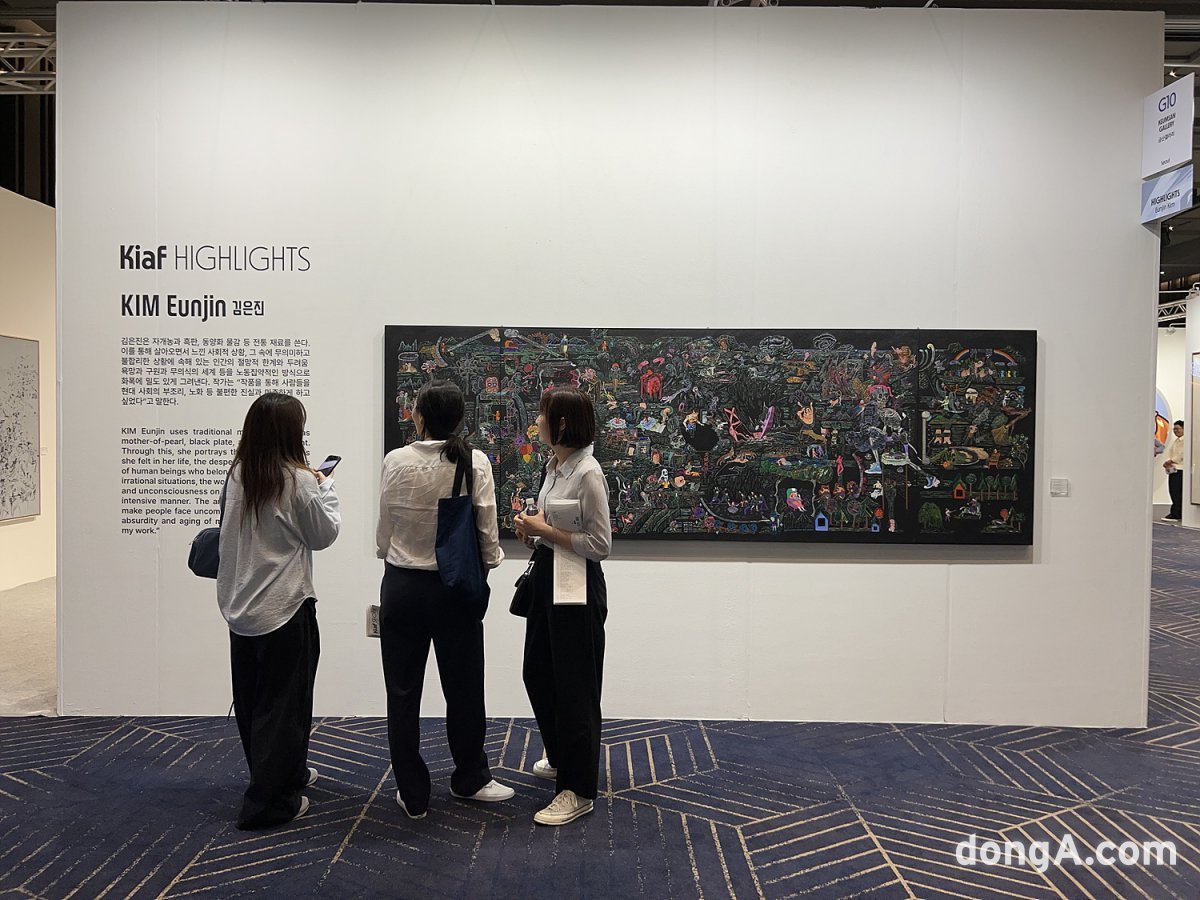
x=273, y=677
x=1175, y=487
x=563, y=671
x=416, y=609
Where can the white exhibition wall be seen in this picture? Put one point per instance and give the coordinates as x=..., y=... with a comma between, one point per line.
x=1191, y=512
x=577, y=167
x=27, y=310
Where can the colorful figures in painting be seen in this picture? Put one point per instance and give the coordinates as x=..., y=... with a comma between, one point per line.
x=863, y=436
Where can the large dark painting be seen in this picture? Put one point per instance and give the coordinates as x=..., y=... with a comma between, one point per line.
x=845, y=436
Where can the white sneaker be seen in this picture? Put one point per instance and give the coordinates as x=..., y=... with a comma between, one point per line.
x=564, y=808
x=405, y=808
x=313, y=774
x=492, y=792
x=543, y=769
x=302, y=810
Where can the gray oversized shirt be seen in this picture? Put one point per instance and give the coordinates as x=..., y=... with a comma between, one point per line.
x=266, y=566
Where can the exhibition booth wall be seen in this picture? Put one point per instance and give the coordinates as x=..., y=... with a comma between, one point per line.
x=27, y=310
x=1191, y=512
x=573, y=168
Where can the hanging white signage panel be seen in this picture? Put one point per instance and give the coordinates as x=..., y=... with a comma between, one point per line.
x=1167, y=195
x=1167, y=127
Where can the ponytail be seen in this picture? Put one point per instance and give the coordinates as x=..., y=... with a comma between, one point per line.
x=457, y=447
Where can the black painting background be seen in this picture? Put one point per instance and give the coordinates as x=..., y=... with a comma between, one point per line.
x=749, y=374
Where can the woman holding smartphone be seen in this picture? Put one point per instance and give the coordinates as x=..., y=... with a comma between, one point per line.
x=275, y=512
x=564, y=642
x=417, y=609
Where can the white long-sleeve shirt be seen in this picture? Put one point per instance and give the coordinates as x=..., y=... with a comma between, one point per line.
x=414, y=479
x=580, y=478
x=1175, y=454
x=266, y=565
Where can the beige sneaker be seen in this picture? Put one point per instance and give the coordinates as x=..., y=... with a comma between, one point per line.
x=543, y=769
x=400, y=800
x=492, y=792
x=564, y=808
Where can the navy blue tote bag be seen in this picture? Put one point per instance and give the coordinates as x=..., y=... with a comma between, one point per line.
x=456, y=547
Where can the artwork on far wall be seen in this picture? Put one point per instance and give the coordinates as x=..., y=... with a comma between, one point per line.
x=869, y=436
x=20, y=429
x=1190, y=427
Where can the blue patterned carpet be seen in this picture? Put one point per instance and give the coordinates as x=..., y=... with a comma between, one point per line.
x=114, y=808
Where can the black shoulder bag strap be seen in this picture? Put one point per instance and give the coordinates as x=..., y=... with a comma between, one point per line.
x=463, y=469
x=221, y=499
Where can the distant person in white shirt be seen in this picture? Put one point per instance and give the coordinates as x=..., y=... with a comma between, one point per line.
x=416, y=608
x=564, y=644
x=276, y=512
x=1174, y=466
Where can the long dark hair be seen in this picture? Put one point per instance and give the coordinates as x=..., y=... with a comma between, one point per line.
x=440, y=404
x=271, y=449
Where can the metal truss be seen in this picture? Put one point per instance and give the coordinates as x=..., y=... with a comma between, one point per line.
x=1176, y=310
x=1172, y=311
x=27, y=64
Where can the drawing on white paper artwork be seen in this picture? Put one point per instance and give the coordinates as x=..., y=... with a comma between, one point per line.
x=20, y=429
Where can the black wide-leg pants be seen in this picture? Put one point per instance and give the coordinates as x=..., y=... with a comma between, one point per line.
x=273, y=677
x=563, y=671
x=416, y=609
x=1175, y=487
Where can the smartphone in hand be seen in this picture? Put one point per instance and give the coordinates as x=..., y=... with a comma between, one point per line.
x=326, y=468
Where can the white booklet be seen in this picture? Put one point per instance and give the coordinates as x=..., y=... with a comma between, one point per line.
x=570, y=569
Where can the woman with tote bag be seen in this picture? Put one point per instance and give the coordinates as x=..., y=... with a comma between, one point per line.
x=419, y=607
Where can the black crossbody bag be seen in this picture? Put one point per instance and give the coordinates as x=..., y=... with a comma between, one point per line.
x=522, y=600
x=204, y=559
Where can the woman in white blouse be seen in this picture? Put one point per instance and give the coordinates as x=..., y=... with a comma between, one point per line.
x=417, y=609
x=564, y=641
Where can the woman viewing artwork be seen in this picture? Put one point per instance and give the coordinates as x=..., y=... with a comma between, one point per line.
x=275, y=512
x=564, y=632
x=417, y=609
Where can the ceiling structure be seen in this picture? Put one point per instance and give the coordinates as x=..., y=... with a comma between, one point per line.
x=27, y=82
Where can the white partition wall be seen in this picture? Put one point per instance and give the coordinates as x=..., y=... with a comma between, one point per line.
x=27, y=545
x=579, y=167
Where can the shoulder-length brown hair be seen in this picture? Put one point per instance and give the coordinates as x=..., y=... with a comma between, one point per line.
x=570, y=417
x=271, y=449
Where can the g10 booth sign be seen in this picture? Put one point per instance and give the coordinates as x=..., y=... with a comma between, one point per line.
x=802, y=435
